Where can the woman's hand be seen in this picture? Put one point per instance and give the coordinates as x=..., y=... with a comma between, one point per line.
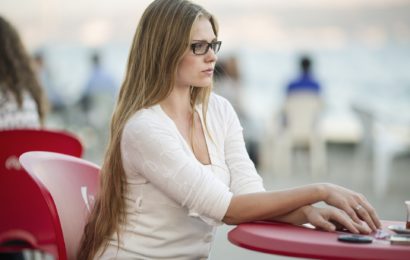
x=353, y=203
x=331, y=219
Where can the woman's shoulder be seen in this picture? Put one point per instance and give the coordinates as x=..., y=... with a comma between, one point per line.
x=217, y=101
x=144, y=119
x=219, y=104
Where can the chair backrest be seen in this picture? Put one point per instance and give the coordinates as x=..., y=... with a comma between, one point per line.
x=69, y=186
x=24, y=216
x=302, y=111
x=15, y=142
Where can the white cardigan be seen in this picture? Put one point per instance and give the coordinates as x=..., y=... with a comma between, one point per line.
x=14, y=117
x=173, y=201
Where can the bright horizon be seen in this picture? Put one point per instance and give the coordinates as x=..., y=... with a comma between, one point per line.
x=265, y=24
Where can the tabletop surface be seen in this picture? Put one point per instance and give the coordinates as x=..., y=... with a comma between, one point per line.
x=299, y=241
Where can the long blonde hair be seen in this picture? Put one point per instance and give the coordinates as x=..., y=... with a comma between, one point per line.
x=161, y=39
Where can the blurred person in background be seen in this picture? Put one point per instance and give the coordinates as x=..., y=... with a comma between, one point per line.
x=228, y=84
x=22, y=100
x=96, y=104
x=176, y=165
x=228, y=81
x=300, y=117
x=46, y=80
x=100, y=91
x=306, y=81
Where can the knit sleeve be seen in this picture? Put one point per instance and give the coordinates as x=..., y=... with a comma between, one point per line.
x=244, y=177
x=151, y=148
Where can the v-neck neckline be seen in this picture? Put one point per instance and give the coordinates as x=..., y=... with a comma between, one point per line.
x=160, y=110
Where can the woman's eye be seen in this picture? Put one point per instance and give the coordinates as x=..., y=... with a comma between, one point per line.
x=200, y=45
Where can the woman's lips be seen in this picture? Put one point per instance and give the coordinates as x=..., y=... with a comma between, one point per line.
x=209, y=72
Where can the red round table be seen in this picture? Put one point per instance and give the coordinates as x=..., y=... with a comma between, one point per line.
x=299, y=241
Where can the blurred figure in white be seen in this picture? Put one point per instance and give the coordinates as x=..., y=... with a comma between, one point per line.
x=22, y=100
x=300, y=123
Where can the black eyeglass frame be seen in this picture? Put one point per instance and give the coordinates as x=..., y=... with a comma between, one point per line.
x=216, y=46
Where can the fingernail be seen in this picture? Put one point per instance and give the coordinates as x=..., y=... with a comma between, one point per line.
x=332, y=228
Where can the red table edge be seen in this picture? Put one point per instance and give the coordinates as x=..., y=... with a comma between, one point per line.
x=297, y=254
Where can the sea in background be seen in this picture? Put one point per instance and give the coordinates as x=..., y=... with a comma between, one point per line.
x=377, y=80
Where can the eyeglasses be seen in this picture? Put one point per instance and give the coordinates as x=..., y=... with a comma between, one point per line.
x=201, y=48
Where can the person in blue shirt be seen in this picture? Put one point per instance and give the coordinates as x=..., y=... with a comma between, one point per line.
x=300, y=120
x=99, y=82
x=305, y=82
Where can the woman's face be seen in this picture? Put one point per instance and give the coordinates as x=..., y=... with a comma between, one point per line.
x=197, y=70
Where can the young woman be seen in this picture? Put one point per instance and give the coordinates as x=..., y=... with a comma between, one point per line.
x=22, y=100
x=176, y=164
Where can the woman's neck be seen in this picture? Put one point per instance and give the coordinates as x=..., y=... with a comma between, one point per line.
x=178, y=104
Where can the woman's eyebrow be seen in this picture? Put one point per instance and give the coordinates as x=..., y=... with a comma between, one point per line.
x=213, y=40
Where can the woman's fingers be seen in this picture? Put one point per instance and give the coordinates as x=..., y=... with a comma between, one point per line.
x=329, y=218
x=323, y=218
x=363, y=228
x=322, y=223
x=368, y=214
x=355, y=205
x=344, y=199
x=343, y=219
x=364, y=215
x=351, y=212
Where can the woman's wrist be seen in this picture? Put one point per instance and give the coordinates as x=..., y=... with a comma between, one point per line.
x=306, y=209
x=322, y=191
x=296, y=217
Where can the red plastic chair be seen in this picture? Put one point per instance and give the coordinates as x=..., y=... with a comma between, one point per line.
x=22, y=219
x=68, y=186
x=15, y=142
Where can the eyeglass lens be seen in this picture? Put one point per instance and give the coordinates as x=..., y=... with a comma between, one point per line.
x=201, y=48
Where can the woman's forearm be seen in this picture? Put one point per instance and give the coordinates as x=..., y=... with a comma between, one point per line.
x=296, y=217
x=273, y=204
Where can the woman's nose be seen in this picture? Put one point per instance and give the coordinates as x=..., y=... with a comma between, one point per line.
x=211, y=56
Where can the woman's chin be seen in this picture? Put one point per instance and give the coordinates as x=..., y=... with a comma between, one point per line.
x=204, y=84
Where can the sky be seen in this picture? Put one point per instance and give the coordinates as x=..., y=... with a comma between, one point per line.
x=267, y=24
